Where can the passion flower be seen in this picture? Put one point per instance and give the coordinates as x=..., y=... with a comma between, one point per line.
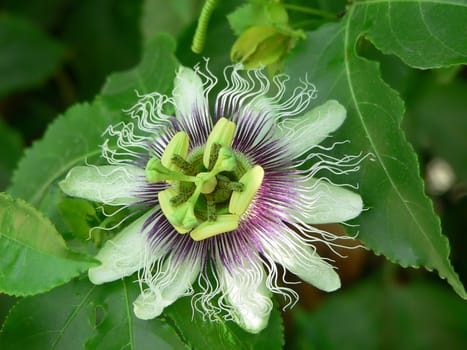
x=222, y=192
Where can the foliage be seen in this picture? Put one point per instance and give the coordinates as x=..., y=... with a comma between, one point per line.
x=384, y=309
x=29, y=56
x=34, y=255
x=395, y=65
x=401, y=223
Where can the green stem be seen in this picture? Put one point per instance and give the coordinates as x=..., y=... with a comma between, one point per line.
x=303, y=24
x=202, y=27
x=310, y=11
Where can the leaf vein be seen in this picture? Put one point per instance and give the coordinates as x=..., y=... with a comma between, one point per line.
x=422, y=15
x=72, y=317
x=373, y=144
x=131, y=341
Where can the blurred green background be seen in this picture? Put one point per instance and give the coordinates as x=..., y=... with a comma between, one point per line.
x=54, y=53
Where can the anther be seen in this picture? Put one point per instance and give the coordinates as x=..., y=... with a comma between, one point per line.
x=222, y=133
x=185, y=166
x=211, y=207
x=178, y=146
x=213, y=155
x=168, y=209
x=180, y=198
x=224, y=223
x=252, y=180
x=223, y=182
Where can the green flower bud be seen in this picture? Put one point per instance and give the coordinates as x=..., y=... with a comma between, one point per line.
x=260, y=46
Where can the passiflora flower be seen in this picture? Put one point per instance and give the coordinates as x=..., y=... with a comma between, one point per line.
x=221, y=193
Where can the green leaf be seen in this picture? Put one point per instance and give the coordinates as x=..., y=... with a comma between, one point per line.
x=70, y=140
x=59, y=319
x=6, y=303
x=28, y=55
x=11, y=148
x=400, y=222
x=81, y=313
x=423, y=33
x=75, y=136
x=262, y=13
x=202, y=333
x=34, y=256
x=79, y=215
x=420, y=315
x=118, y=327
x=167, y=16
x=156, y=72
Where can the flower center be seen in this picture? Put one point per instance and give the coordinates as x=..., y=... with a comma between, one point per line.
x=210, y=188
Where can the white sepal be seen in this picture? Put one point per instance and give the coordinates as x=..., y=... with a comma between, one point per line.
x=188, y=93
x=245, y=289
x=122, y=255
x=171, y=282
x=108, y=184
x=289, y=251
x=303, y=132
x=325, y=203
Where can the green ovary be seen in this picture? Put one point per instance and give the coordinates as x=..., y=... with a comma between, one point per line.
x=210, y=188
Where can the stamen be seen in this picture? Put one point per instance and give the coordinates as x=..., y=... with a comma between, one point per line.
x=223, y=182
x=236, y=186
x=168, y=209
x=184, y=215
x=211, y=207
x=185, y=166
x=181, y=217
x=214, y=154
x=180, y=198
x=222, y=133
x=240, y=201
x=223, y=224
x=178, y=146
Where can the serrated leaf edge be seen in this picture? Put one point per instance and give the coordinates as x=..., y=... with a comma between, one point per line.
x=458, y=288
x=46, y=221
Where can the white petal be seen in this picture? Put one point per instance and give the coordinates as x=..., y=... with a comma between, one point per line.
x=300, y=259
x=245, y=289
x=188, y=93
x=327, y=203
x=308, y=130
x=123, y=255
x=170, y=283
x=109, y=184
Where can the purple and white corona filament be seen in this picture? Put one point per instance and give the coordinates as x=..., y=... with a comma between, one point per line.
x=221, y=196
